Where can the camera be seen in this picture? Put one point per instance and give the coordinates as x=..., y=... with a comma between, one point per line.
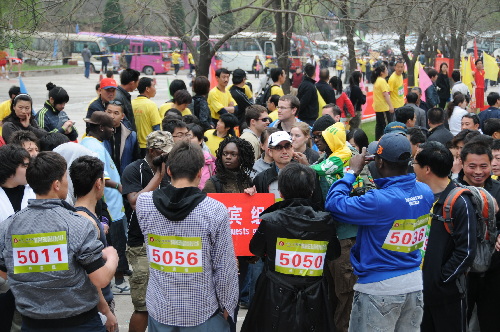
x=160, y=160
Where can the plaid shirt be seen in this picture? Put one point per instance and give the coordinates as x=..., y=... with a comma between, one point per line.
x=189, y=299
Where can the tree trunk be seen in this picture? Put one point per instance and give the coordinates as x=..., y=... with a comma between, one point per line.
x=349, y=32
x=203, y=64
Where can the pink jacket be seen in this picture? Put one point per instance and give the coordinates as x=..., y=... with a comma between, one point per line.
x=208, y=170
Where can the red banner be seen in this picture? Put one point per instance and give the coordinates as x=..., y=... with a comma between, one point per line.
x=244, y=211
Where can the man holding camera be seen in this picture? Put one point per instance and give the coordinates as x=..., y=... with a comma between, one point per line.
x=142, y=176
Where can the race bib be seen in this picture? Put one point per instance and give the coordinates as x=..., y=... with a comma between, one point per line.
x=300, y=257
x=43, y=252
x=401, y=91
x=406, y=235
x=175, y=253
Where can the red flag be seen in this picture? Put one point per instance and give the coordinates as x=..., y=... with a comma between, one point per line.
x=476, y=56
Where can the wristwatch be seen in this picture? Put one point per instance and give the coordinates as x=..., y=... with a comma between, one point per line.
x=349, y=170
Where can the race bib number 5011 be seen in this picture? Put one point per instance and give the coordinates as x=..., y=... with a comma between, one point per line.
x=42, y=252
x=300, y=257
x=175, y=253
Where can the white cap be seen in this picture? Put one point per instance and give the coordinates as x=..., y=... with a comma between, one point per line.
x=278, y=137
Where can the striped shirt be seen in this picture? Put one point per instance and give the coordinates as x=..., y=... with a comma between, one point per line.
x=189, y=299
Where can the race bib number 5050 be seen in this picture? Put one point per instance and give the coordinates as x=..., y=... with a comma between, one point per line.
x=406, y=235
x=175, y=253
x=300, y=257
x=42, y=252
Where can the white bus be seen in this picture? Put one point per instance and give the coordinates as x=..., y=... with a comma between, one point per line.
x=53, y=48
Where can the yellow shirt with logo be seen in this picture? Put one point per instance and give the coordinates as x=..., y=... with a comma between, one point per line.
x=218, y=100
x=277, y=90
x=4, y=111
x=146, y=117
x=213, y=141
x=397, y=90
x=379, y=103
x=165, y=107
x=175, y=58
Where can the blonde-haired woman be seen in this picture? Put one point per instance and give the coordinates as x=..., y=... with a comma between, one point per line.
x=301, y=142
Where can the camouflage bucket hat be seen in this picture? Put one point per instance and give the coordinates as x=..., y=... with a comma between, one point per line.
x=161, y=140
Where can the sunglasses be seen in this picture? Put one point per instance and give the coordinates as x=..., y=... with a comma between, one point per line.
x=115, y=102
x=286, y=146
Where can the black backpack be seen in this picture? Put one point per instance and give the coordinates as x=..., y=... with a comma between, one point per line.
x=264, y=95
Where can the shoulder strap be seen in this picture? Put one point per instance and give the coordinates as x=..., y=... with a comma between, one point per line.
x=84, y=209
x=449, y=202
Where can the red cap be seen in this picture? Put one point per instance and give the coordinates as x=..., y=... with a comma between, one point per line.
x=107, y=83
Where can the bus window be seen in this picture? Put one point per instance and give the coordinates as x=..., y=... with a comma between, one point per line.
x=79, y=45
x=151, y=48
x=269, y=48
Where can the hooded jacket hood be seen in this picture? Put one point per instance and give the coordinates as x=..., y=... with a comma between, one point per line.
x=177, y=203
x=335, y=137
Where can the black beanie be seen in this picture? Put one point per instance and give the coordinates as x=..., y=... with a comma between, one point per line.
x=322, y=123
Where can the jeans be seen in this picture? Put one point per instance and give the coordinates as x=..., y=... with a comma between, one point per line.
x=92, y=325
x=253, y=273
x=176, y=68
x=118, y=236
x=398, y=313
x=87, y=69
x=215, y=323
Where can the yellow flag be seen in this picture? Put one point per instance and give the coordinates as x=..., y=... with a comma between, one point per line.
x=490, y=67
x=416, y=70
x=467, y=74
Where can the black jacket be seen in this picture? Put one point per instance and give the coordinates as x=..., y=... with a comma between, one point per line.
x=96, y=105
x=200, y=109
x=242, y=101
x=326, y=91
x=493, y=187
x=357, y=97
x=264, y=179
x=308, y=96
x=443, y=83
x=125, y=98
x=448, y=257
x=177, y=203
x=287, y=302
x=440, y=134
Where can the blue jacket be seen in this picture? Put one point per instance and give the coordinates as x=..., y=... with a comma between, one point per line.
x=399, y=198
x=52, y=121
x=490, y=112
x=431, y=95
x=128, y=148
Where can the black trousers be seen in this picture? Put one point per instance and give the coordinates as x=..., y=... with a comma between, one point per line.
x=450, y=317
x=382, y=119
x=483, y=290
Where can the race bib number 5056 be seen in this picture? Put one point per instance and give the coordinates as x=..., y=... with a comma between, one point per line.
x=175, y=253
x=42, y=252
x=300, y=257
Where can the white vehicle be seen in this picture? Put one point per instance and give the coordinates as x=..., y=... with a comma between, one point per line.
x=53, y=48
x=330, y=48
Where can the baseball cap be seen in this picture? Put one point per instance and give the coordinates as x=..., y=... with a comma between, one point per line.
x=372, y=147
x=394, y=147
x=107, y=83
x=396, y=127
x=100, y=118
x=278, y=137
x=239, y=73
x=161, y=140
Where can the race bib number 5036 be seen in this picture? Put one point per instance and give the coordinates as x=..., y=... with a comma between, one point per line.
x=406, y=235
x=300, y=257
x=175, y=253
x=42, y=252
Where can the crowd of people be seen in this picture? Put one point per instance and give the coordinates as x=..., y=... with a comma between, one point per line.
x=341, y=249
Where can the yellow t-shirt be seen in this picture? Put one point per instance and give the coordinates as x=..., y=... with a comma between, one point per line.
x=213, y=141
x=362, y=63
x=4, y=111
x=190, y=59
x=339, y=65
x=165, y=107
x=218, y=100
x=175, y=58
x=379, y=103
x=267, y=62
x=277, y=90
x=274, y=115
x=397, y=90
x=146, y=117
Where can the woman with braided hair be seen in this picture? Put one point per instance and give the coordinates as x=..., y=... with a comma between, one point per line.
x=233, y=164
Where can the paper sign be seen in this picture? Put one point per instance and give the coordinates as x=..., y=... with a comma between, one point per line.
x=244, y=211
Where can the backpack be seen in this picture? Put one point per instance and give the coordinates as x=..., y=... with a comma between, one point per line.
x=486, y=229
x=264, y=95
